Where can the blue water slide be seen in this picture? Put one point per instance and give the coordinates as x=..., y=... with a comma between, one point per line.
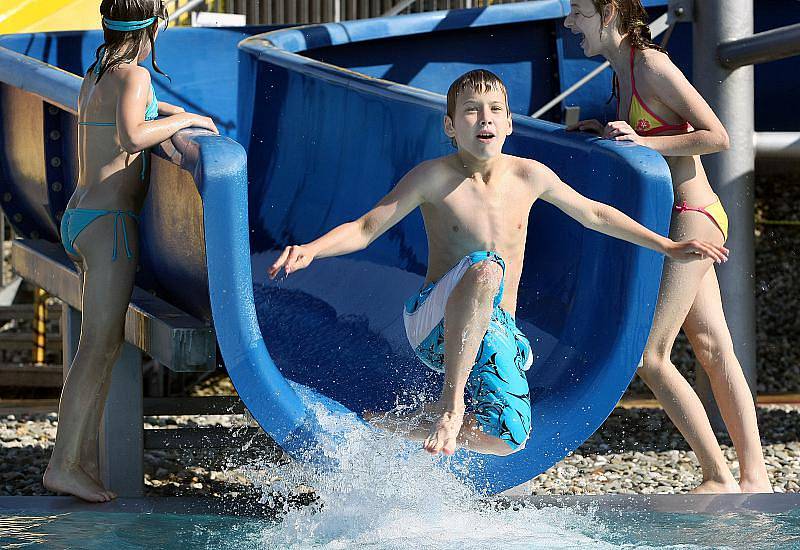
x=335, y=114
x=330, y=117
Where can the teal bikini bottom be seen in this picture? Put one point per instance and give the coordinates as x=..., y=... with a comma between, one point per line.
x=76, y=220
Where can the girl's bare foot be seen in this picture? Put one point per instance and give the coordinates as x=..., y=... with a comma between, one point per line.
x=716, y=487
x=90, y=461
x=760, y=486
x=74, y=481
x=444, y=434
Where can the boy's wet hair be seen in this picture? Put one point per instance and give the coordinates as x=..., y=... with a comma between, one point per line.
x=480, y=81
x=120, y=47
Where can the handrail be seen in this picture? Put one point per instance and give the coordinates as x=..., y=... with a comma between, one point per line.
x=59, y=88
x=398, y=8
x=192, y=5
x=777, y=145
x=770, y=45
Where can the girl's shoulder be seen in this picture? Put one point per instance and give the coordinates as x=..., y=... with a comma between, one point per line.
x=131, y=74
x=652, y=66
x=119, y=79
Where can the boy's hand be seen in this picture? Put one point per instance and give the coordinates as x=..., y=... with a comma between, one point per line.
x=293, y=258
x=593, y=126
x=687, y=251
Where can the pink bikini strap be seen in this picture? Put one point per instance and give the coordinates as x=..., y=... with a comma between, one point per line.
x=686, y=208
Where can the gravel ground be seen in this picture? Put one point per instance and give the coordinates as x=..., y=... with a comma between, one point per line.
x=635, y=451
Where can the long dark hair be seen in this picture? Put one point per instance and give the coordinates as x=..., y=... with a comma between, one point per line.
x=632, y=21
x=123, y=46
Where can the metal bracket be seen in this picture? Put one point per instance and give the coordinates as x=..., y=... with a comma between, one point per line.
x=680, y=11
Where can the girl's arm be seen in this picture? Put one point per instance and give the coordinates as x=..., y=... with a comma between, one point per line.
x=167, y=109
x=676, y=92
x=610, y=221
x=135, y=133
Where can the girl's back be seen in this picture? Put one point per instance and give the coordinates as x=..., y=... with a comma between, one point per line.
x=111, y=174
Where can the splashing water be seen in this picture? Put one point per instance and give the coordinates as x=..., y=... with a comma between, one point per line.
x=386, y=494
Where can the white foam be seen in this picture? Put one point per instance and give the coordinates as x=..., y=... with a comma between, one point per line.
x=382, y=496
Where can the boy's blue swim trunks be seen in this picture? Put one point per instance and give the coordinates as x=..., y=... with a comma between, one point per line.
x=497, y=385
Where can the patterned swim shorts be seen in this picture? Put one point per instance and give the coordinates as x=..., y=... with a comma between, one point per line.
x=497, y=385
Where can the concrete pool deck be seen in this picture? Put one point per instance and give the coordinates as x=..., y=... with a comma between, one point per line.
x=693, y=504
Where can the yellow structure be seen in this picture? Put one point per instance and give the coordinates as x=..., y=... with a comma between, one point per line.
x=18, y=16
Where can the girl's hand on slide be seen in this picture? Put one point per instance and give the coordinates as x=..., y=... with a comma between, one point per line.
x=200, y=121
x=687, y=251
x=593, y=126
x=293, y=258
x=619, y=130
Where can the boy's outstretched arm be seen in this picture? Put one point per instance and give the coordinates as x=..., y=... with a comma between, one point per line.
x=610, y=221
x=358, y=234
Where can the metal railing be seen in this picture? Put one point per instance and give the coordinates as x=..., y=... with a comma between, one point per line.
x=279, y=12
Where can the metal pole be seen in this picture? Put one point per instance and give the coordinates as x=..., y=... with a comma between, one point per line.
x=765, y=46
x=398, y=8
x=777, y=145
x=2, y=249
x=121, y=430
x=189, y=6
x=730, y=95
x=39, y=326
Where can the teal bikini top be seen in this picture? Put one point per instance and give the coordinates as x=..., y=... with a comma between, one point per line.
x=151, y=113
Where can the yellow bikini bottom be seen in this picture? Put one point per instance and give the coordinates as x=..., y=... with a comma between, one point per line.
x=714, y=211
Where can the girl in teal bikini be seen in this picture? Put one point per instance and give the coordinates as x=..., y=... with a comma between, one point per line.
x=117, y=122
x=660, y=109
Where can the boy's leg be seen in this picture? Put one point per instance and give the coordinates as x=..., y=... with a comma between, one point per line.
x=106, y=293
x=712, y=344
x=467, y=315
x=679, y=285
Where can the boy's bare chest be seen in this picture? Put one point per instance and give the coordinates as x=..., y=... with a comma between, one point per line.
x=481, y=212
x=471, y=199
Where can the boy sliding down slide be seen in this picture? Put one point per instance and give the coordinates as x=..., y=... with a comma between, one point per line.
x=475, y=204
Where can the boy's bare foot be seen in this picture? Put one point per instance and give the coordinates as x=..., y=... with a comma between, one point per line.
x=75, y=481
x=715, y=487
x=762, y=486
x=442, y=437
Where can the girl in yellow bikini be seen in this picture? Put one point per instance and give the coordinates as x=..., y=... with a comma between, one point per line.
x=118, y=116
x=663, y=111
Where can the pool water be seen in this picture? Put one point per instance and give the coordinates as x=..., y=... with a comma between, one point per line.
x=529, y=528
